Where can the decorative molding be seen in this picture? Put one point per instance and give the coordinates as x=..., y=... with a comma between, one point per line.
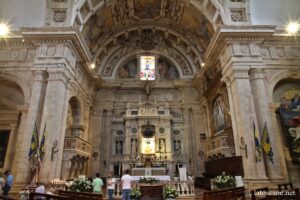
x=59, y=15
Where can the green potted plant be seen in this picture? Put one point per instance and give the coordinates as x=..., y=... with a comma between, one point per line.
x=224, y=181
x=135, y=194
x=170, y=193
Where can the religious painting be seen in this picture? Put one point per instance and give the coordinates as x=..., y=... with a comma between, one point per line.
x=147, y=68
x=197, y=24
x=4, y=138
x=148, y=146
x=166, y=70
x=289, y=112
x=218, y=114
x=129, y=70
x=146, y=9
x=97, y=26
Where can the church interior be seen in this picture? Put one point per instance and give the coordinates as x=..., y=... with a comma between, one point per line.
x=180, y=90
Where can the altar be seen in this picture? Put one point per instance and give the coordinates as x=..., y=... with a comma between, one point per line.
x=161, y=178
x=157, y=171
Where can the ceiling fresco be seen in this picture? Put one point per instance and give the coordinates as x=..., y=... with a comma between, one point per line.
x=128, y=26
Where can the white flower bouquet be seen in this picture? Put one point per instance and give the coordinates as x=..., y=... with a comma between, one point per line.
x=81, y=185
x=170, y=193
x=224, y=181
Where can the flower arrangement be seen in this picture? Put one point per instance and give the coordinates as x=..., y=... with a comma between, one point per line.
x=81, y=185
x=224, y=181
x=24, y=194
x=135, y=194
x=170, y=193
x=148, y=180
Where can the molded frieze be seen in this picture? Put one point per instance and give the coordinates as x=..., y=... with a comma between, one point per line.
x=55, y=51
x=16, y=54
x=287, y=52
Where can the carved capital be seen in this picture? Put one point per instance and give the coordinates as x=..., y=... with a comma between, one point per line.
x=256, y=73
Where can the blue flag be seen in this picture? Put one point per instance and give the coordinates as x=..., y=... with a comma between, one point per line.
x=34, y=146
x=257, y=145
x=266, y=143
x=42, y=145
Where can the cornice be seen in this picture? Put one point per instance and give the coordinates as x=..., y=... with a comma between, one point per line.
x=227, y=34
x=59, y=35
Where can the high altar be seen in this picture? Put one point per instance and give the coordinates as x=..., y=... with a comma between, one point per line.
x=147, y=146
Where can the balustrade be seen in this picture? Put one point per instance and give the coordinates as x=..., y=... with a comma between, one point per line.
x=78, y=145
x=184, y=188
x=220, y=145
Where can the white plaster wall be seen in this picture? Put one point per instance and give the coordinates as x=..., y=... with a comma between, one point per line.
x=27, y=13
x=274, y=12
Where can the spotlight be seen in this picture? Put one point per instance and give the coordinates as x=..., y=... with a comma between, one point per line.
x=202, y=64
x=292, y=27
x=4, y=30
x=93, y=65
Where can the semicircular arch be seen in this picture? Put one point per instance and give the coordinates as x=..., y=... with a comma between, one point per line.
x=20, y=83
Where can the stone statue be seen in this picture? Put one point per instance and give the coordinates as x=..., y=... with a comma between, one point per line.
x=119, y=148
x=133, y=147
x=177, y=147
x=162, y=145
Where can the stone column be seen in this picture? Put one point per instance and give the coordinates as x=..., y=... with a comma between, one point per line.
x=108, y=139
x=243, y=115
x=260, y=97
x=95, y=132
x=55, y=117
x=21, y=169
x=186, y=145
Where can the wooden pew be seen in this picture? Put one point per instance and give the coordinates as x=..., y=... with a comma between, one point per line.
x=255, y=191
x=225, y=194
x=7, y=198
x=36, y=196
x=80, y=195
x=288, y=187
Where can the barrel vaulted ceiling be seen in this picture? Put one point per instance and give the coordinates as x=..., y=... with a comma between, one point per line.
x=179, y=30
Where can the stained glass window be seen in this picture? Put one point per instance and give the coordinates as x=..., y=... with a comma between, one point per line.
x=147, y=67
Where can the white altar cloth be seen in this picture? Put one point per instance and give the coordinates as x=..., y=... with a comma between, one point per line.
x=161, y=178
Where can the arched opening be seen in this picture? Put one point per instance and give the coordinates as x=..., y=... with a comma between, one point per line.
x=11, y=98
x=286, y=97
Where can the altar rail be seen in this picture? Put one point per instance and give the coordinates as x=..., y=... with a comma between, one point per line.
x=184, y=188
x=78, y=145
x=221, y=145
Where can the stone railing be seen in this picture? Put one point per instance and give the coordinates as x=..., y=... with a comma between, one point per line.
x=184, y=188
x=78, y=145
x=221, y=145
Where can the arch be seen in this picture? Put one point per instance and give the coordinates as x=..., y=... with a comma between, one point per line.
x=155, y=53
x=279, y=76
x=76, y=106
x=211, y=9
x=20, y=83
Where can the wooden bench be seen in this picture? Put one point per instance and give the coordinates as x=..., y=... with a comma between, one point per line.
x=285, y=186
x=80, y=195
x=225, y=194
x=254, y=193
x=7, y=198
x=289, y=188
x=36, y=196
